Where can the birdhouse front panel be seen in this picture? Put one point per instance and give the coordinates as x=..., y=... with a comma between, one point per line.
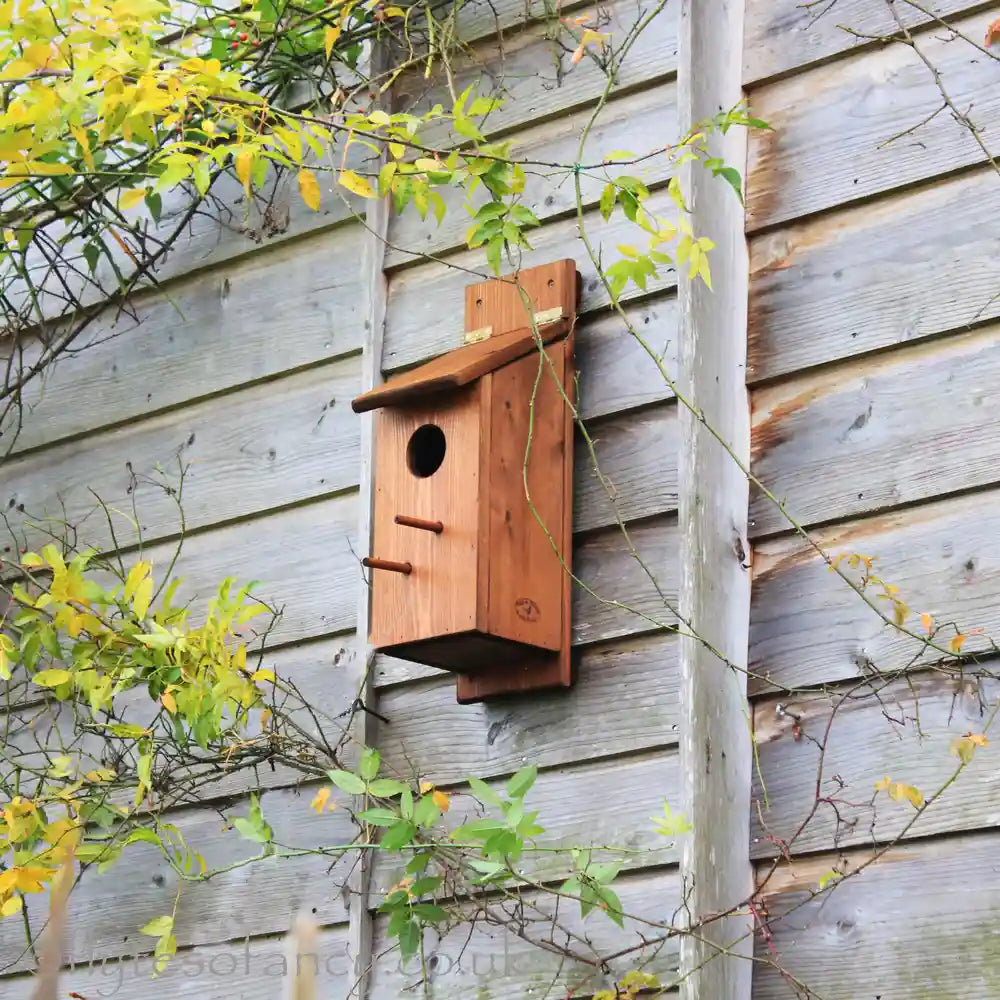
x=427, y=473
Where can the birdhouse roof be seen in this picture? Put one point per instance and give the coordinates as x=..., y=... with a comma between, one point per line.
x=460, y=367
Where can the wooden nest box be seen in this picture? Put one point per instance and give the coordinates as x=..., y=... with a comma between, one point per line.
x=469, y=568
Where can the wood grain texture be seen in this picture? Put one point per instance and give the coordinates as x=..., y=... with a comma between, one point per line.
x=249, y=969
x=417, y=327
x=855, y=439
x=624, y=699
x=917, y=924
x=808, y=627
x=239, y=323
x=534, y=75
x=265, y=447
x=493, y=960
x=831, y=126
x=906, y=733
x=303, y=559
x=440, y=596
x=638, y=122
x=604, y=804
x=785, y=35
x=716, y=749
x=871, y=277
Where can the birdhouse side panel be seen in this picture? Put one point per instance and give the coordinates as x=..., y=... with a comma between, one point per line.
x=526, y=575
x=426, y=469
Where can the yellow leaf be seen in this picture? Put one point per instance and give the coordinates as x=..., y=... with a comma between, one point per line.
x=5, y=673
x=978, y=739
x=957, y=642
x=309, y=189
x=320, y=800
x=143, y=595
x=356, y=184
x=169, y=702
x=883, y=784
x=264, y=674
x=927, y=621
x=11, y=906
x=426, y=786
x=330, y=36
x=51, y=678
x=442, y=801
x=244, y=168
x=135, y=577
x=32, y=559
x=131, y=198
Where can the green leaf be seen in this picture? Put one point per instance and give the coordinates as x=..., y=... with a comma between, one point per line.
x=429, y=912
x=521, y=783
x=92, y=254
x=386, y=788
x=398, y=836
x=371, y=760
x=347, y=782
x=158, y=926
x=483, y=792
x=409, y=938
x=478, y=829
x=378, y=817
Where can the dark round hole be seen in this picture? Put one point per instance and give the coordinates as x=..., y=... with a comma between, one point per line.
x=425, y=452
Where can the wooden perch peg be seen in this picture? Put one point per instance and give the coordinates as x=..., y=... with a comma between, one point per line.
x=418, y=522
x=394, y=567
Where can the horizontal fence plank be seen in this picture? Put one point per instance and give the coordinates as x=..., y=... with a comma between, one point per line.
x=534, y=74
x=248, y=970
x=611, y=709
x=294, y=306
x=631, y=123
x=786, y=35
x=906, y=730
x=919, y=923
x=608, y=807
x=871, y=277
x=637, y=453
x=855, y=439
x=426, y=304
x=269, y=446
x=808, y=627
x=832, y=126
x=303, y=559
x=483, y=960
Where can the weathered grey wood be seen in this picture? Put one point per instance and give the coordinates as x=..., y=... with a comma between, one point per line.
x=905, y=733
x=249, y=970
x=640, y=122
x=808, y=627
x=490, y=960
x=107, y=910
x=266, y=447
x=637, y=453
x=858, y=438
x=832, y=125
x=425, y=312
x=624, y=699
x=871, y=277
x=917, y=924
x=240, y=323
x=303, y=559
x=535, y=76
x=786, y=35
x=609, y=804
x=716, y=751
x=615, y=371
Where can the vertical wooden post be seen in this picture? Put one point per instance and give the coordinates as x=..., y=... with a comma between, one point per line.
x=716, y=751
x=361, y=926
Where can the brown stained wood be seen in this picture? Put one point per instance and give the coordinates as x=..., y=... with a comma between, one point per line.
x=418, y=523
x=608, y=712
x=500, y=303
x=640, y=121
x=269, y=446
x=536, y=77
x=404, y=568
x=808, y=627
x=458, y=368
x=417, y=330
x=484, y=958
x=911, y=425
x=832, y=125
x=919, y=923
x=871, y=277
x=905, y=732
x=295, y=306
x=782, y=36
x=440, y=596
